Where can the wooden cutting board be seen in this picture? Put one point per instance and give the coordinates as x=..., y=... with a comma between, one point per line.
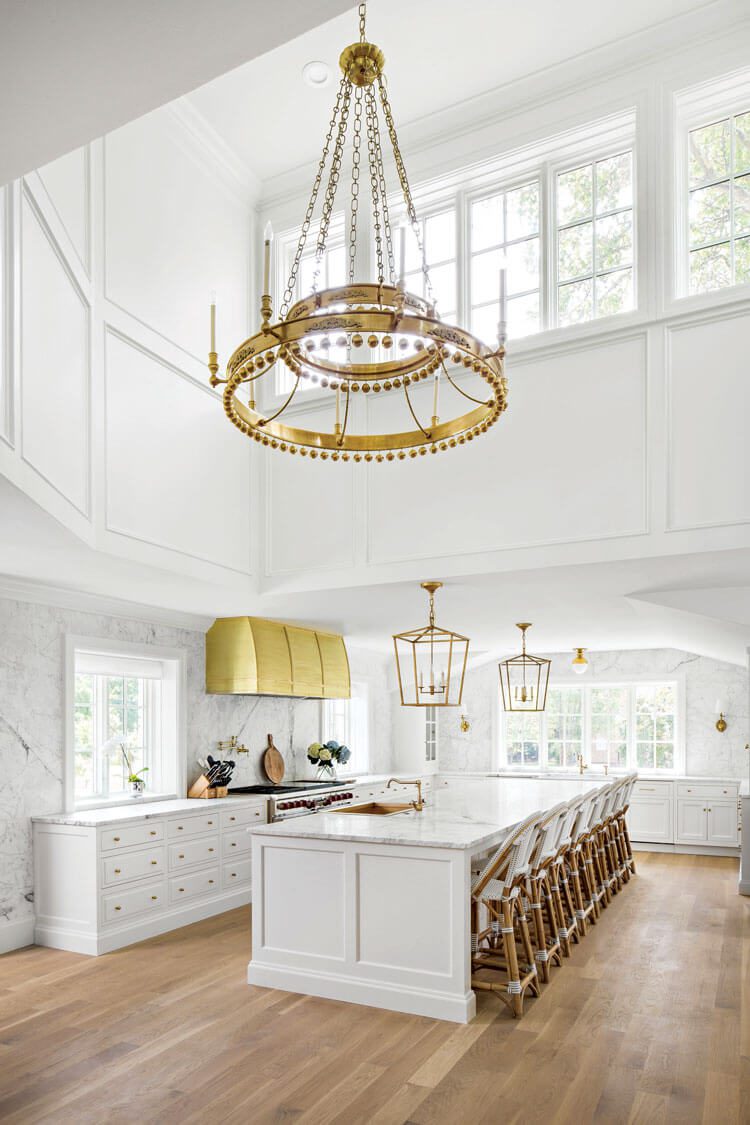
x=273, y=763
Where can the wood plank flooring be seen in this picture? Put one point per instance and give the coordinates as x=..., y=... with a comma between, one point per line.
x=649, y=1021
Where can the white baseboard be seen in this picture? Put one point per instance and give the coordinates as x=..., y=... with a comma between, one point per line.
x=744, y=887
x=107, y=940
x=373, y=994
x=685, y=849
x=16, y=935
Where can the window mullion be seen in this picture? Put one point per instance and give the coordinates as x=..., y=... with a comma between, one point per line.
x=547, y=251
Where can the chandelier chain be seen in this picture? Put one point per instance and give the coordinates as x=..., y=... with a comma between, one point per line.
x=383, y=189
x=362, y=18
x=374, y=188
x=404, y=182
x=332, y=185
x=356, y=157
x=292, y=282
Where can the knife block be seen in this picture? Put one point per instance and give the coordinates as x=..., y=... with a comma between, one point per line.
x=203, y=788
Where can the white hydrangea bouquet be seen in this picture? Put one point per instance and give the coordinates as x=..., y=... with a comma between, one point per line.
x=327, y=755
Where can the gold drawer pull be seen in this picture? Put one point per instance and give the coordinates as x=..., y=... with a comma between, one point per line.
x=154, y=862
x=210, y=822
x=180, y=857
x=118, y=908
x=117, y=871
x=153, y=898
x=233, y=818
x=233, y=845
x=210, y=880
x=152, y=832
x=179, y=828
x=210, y=849
x=116, y=839
x=234, y=874
x=181, y=889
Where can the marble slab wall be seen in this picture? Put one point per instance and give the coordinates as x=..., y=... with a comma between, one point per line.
x=707, y=752
x=32, y=723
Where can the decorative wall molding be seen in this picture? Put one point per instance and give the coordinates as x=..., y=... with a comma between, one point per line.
x=209, y=148
x=7, y=315
x=42, y=593
x=69, y=272
x=36, y=183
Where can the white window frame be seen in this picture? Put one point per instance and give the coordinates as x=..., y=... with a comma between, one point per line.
x=173, y=734
x=431, y=735
x=694, y=107
x=630, y=682
x=360, y=759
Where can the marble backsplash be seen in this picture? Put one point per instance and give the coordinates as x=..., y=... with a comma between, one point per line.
x=32, y=723
x=707, y=752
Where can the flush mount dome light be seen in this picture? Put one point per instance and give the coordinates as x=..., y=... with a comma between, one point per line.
x=316, y=73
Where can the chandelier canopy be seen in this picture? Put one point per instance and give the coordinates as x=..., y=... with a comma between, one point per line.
x=431, y=662
x=372, y=338
x=524, y=678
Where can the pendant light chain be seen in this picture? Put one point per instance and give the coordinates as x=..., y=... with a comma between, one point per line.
x=356, y=157
x=374, y=187
x=383, y=189
x=333, y=183
x=292, y=282
x=362, y=19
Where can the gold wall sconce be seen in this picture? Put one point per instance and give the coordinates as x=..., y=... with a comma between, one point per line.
x=721, y=723
x=465, y=724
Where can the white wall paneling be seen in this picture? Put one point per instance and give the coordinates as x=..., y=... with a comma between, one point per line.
x=55, y=362
x=708, y=408
x=173, y=232
x=177, y=475
x=66, y=182
x=6, y=316
x=310, y=507
x=531, y=481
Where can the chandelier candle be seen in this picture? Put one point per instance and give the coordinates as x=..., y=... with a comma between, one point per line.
x=374, y=337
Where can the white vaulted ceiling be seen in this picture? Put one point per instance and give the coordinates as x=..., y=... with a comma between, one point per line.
x=438, y=53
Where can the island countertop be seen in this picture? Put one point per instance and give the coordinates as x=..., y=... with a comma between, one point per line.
x=469, y=815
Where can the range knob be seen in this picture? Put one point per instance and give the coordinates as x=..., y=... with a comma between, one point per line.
x=308, y=804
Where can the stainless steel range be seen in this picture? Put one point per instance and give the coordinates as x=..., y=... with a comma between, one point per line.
x=299, y=798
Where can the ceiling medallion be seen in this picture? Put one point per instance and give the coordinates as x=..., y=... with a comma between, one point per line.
x=524, y=678
x=372, y=338
x=431, y=662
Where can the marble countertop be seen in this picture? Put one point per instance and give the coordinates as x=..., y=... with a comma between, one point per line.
x=593, y=774
x=458, y=816
x=745, y=788
x=122, y=814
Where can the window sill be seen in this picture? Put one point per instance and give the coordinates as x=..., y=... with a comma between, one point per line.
x=122, y=799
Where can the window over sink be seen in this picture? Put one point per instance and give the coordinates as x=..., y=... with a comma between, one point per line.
x=633, y=725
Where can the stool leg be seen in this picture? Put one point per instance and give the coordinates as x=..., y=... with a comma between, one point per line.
x=523, y=926
x=511, y=959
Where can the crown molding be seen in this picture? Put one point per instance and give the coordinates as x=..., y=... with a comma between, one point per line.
x=212, y=150
x=64, y=597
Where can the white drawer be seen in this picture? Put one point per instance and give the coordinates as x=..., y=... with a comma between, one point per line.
x=183, y=826
x=138, y=900
x=235, y=843
x=190, y=886
x=113, y=838
x=134, y=865
x=187, y=852
x=236, y=874
x=704, y=789
x=653, y=789
x=250, y=814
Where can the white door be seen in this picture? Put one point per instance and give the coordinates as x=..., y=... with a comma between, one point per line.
x=722, y=823
x=692, y=821
x=650, y=820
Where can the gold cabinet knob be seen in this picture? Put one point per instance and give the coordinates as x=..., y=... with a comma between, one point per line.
x=233, y=818
x=180, y=857
x=116, y=839
x=117, y=871
x=234, y=845
x=152, y=832
x=118, y=908
x=179, y=828
x=210, y=880
x=153, y=898
x=210, y=849
x=181, y=889
x=210, y=822
x=234, y=874
x=154, y=862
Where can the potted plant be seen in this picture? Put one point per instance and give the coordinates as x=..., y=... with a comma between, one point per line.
x=326, y=756
x=135, y=781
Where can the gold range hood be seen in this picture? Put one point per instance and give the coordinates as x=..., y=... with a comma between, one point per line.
x=253, y=656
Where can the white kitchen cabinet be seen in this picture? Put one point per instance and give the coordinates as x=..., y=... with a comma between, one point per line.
x=650, y=819
x=722, y=823
x=100, y=875
x=691, y=821
x=707, y=814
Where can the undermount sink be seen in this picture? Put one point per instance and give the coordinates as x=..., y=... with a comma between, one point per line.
x=377, y=808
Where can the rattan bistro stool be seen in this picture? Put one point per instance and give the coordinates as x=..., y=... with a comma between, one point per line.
x=543, y=894
x=498, y=920
x=581, y=882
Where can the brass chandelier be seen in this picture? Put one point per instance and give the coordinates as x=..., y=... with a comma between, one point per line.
x=431, y=662
x=371, y=338
x=524, y=678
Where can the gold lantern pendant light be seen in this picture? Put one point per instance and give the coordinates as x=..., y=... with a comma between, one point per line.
x=524, y=678
x=371, y=338
x=431, y=662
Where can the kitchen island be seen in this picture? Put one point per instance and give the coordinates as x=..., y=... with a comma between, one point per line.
x=374, y=909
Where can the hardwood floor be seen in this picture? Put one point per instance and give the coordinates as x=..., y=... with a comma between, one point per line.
x=649, y=1021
